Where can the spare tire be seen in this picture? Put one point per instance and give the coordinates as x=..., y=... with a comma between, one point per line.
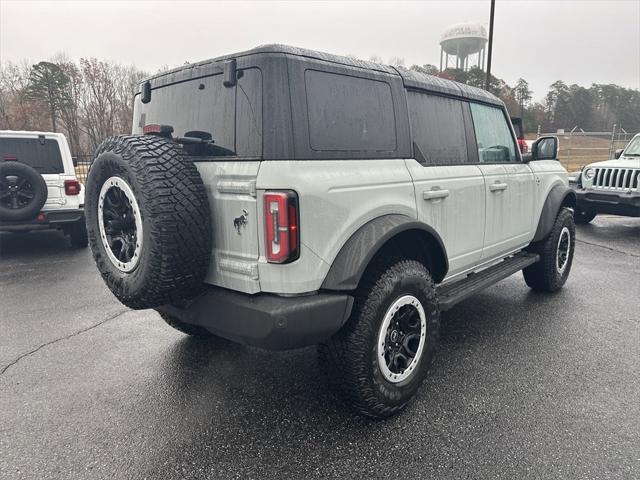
x=23, y=192
x=148, y=221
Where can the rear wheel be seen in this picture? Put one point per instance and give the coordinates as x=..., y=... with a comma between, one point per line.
x=379, y=359
x=556, y=256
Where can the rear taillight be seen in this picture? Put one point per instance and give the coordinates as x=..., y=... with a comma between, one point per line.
x=522, y=143
x=71, y=187
x=281, y=219
x=10, y=158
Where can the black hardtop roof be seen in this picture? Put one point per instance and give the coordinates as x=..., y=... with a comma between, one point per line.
x=411, y=78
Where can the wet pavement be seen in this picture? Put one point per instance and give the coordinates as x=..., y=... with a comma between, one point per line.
x=525, y=385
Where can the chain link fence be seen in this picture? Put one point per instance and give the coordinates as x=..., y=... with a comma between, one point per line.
x=82, y=164
x=579, y=148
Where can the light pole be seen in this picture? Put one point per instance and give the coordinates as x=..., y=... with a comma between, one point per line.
x=488, y=78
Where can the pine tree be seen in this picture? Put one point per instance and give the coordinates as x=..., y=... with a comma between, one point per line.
x=48, y=84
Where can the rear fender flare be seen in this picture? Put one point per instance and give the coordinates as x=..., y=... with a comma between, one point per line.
x=356, y=254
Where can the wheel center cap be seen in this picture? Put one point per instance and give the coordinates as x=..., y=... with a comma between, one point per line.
x=393, y=336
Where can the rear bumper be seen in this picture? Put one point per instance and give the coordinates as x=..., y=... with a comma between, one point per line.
x=266, y=320
x=614, y=203
x=51, y=219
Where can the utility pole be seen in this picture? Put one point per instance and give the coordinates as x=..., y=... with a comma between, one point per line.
x=493, y=11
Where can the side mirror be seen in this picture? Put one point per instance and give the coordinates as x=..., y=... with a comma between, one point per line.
x=618, y=153
x=75, y=161
x=544, y=148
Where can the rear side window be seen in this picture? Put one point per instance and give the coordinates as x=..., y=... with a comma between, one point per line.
x=493, y=135
x=437, y=126
x=43, y=155
x=349, y=114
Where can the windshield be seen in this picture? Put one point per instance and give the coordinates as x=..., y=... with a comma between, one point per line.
x=633, y=149
x=43, y=155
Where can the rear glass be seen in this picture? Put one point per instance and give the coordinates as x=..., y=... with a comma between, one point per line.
x=42, y=155
x=349, y=114
x=437, y=125
x=232, y=115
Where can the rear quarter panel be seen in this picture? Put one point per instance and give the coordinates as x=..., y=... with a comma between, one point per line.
x=336, y=198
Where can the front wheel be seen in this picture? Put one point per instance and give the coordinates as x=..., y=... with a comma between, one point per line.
x=556, y=255
x=379, y=359
x=582, y=217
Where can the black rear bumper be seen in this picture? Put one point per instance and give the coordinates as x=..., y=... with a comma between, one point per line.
x=266, y=320
x=613, y=203
x=49, y=219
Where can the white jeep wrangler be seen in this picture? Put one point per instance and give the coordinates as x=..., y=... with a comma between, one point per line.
x=282, y=197
x=612, y=186
x=39, y=189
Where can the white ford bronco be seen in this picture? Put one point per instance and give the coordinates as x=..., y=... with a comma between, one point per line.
x=283, y=197
x=612, y=186
x=39, y=189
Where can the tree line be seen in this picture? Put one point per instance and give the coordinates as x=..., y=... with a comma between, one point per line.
x=92, y=99
x=596, y=108
x=87, y=100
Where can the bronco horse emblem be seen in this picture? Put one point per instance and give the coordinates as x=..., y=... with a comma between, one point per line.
x=240, y=221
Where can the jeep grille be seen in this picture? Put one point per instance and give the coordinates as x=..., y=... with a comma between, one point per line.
x=616, y=179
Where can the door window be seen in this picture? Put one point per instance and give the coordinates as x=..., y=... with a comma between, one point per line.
x=493, y=135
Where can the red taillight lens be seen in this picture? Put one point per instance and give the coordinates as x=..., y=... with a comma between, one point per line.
x=71, y=187
x=281, y=226
x=524, y=148
x=10, y=158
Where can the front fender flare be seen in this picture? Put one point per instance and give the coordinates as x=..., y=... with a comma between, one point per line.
x=354, y=257
x=560, y=195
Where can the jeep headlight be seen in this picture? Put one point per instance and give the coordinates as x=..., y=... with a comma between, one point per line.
x=589, y=173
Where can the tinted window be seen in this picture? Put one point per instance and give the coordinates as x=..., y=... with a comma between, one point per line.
x=517, y=127
x=437, y=126
x=495, y=142
x=43, y=155
x=349, y=113
x=232, y=115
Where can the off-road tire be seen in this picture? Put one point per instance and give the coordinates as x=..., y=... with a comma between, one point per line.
x=349, y=358
x=173, y=204
x=78, y=234
x=582, y=217
x=543, y=275
x=186, y=328
x=37, y=187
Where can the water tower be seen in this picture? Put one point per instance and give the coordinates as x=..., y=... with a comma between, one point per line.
x=461, y=41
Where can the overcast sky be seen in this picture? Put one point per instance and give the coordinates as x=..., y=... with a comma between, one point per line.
x=584, y=42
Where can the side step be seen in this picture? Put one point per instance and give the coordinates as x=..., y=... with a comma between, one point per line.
x=455, y=292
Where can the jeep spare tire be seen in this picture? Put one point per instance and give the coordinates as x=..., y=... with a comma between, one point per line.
x=148, y=221
x=23, y=192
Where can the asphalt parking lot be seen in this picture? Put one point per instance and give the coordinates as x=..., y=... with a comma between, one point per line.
x=525, y=385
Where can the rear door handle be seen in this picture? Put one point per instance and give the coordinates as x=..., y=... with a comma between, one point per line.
x=434, y=194
x=498, y=187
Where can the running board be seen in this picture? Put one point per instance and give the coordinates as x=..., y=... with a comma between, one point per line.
x=450, y=294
